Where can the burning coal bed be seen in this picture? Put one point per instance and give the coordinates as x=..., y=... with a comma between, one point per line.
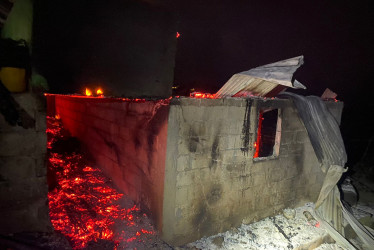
x=84, y=205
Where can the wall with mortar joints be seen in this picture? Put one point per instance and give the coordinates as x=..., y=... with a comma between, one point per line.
x=211, y=185
x=126, y=139
x=23, y=170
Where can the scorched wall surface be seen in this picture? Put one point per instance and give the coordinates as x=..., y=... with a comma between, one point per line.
x=212, y=182
x=190, y=161
x=127, y=139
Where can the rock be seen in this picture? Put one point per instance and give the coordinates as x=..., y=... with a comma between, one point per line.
x=218, y=241
x=289, y=213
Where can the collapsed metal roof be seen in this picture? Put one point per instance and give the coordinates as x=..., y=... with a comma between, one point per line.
x=265, y=81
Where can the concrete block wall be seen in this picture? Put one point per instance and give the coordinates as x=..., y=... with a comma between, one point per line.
x=23, y=171
x=188, y=162
x=211, y=185
x=127, y=139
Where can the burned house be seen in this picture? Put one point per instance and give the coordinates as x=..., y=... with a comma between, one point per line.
x=197, y=166
x=201, y=166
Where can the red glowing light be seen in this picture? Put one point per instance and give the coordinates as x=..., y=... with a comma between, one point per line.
x=201, y=95
x=84, y=207
x=178, y=35
x=257, y=144
x=88, y=92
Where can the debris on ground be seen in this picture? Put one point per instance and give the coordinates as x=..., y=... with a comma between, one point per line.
x=86, y=207
x=290, y=230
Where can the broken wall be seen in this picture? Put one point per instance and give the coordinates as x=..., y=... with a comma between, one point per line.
x=191, y=161
x=212, y=181
x=127, y=139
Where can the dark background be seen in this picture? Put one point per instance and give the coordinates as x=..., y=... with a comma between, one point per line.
x=115, y=42
x=221, y=38
x=126, y=47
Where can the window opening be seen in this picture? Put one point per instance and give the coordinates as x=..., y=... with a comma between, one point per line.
x=268, y=133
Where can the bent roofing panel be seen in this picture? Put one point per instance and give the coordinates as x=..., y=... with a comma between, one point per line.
x=262, y=80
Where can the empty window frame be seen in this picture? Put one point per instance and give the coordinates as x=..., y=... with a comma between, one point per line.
x=268, y=133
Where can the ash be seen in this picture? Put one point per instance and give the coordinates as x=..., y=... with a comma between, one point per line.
x=278, y=232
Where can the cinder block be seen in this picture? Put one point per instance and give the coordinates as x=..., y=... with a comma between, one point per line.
x=287, y=137
x=295, y=149
x=275, y=176
x=29, y=143
x=199, y=161
x=189, y=101
x=33, y=214
x=181, y=196
x=132, y=178
x=41, y=166
x=17, y=168
x=235, y=114
x=16, y=192
x=40, y=121
x=183, y=163
x=5, y=127
x=281, y=198
x=234, y=102
x=259, y=179
x=78, y=106
x=211, y=102
x=291, y=171
x=302, y=136
x=183, y=146
x=184, y=178
x=235, y=128
x=30, y=102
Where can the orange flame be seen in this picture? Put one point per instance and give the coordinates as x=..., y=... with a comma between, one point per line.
x=88, y=92
x=201, y=95
x=99, y=92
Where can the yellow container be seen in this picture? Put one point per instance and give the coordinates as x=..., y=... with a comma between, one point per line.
x=14, y=79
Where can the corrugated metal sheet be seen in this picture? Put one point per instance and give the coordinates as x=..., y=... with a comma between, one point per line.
x=263, y=81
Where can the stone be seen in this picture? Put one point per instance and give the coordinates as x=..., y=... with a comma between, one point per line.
x=289, y=213
x=26, y=143
x=218, y=241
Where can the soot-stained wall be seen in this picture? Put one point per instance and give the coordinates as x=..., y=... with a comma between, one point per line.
x=212, y=181
x=127, y=140
x=191, y=160
x=127, y=47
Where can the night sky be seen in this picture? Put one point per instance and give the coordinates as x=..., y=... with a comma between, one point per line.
x=218, y=39
x=221, y=38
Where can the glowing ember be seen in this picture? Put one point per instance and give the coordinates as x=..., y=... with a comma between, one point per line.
x=178, y=35
x=88, y=92
x=83, y=206
x=257, y=144
x=99, y=92
x=201, y=95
